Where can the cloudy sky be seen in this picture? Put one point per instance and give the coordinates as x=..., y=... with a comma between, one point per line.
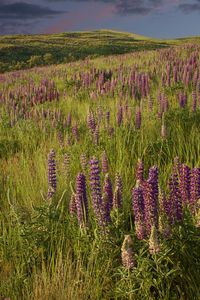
x=156, y=18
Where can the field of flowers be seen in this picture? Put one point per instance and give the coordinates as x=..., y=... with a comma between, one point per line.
x=100, y=178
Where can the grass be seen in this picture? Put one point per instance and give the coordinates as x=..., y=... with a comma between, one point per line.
x=44, y=254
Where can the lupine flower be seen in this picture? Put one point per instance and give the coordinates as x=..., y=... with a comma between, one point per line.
x=151, y=199
x=91, y=121
x=104, y=163
x=153, y=177
x=194, y=188
x=81, y=199
x=165, y=211
x=182, y=100
x=140, y=171
x=185, y=183
x=117, y=198
x=154, y=246
x=139, y=212
x=128, y=259
x=151, y=214
x=175, y=199
x=51, y=174
x=95, y=186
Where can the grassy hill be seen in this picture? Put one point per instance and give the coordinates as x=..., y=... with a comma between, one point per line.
x=100, y=174
x=24, y=51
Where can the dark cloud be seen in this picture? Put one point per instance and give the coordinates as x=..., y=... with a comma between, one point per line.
x=137, y=7
x=124, y=7
x=17, y=27
x=190, y=8
x=20, y=17
x=22, y=10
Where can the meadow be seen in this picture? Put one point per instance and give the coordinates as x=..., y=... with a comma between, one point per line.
x=100, y=178
x=25, y=51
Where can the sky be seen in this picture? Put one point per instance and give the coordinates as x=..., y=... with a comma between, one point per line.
x=153, y=18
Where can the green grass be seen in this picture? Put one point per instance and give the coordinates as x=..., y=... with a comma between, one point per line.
x=44, y=255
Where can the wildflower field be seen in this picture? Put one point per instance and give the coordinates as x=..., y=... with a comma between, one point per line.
x=100, y=178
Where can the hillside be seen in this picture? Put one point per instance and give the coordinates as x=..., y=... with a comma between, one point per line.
x=100, y=178
x=24, y=51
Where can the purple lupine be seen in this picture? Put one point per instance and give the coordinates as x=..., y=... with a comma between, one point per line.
x=151, y=199
x=81, y=199
x=151, y=215
x=138, y=118
x=164, y=216
x=140, y=171
x=104, y=162
x=139, y=209
x=175, y=199
x=194, y=188
x=117, y=197
x=182, y=100
x=153, y=177
x=108, y=191
x=91, y=122
x=95, y=186
x=52, y=182
x=185, y=183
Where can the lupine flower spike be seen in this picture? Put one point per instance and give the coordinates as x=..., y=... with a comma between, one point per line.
x=153, y=241
x=51, y=174
x=128, y=259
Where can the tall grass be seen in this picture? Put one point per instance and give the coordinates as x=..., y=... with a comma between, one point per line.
x=44, y=254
